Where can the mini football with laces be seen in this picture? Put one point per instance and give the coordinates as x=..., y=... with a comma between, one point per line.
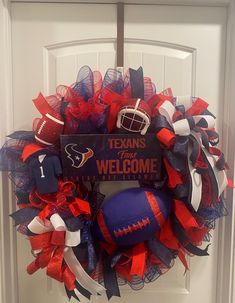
x=49, y=127
x=132, y=216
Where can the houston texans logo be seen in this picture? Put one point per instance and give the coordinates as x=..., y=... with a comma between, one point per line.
x=78, y=158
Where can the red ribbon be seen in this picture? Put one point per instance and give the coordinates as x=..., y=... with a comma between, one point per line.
x=80, y=207
x=191, y=227
x=166, y=137
x=195, y=232
x=57, y=201
x=42, y=105
x=174, y=177
x=167, y=237
x=133, y=262
x=138, y=260
x=124, y=272
x=231, y=183
x=46, y=212
x=51, y=256
x=184, y=216
x=182, y=258
x=156, y=101
x=115, y=102
x=197, y=108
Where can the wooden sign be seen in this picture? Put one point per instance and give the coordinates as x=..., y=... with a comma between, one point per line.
x=111, y=157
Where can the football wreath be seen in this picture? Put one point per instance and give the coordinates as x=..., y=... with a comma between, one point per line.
x=115, y=127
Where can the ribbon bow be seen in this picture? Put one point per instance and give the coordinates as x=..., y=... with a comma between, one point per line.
x=186, y=124
x=53, y=247
x=49, y=244
x=189, y=135
x=174, y=121
x=58, y=202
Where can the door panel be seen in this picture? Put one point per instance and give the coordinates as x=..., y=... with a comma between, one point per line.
x=178, y=47
x=202, y=29
x=37, y=26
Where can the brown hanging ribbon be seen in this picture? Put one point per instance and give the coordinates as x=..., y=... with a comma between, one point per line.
x=120, y=34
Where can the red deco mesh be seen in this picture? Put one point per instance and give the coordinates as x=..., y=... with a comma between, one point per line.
x=127, y=86
x=149, y=88
x=55, y=102
x=97, y=81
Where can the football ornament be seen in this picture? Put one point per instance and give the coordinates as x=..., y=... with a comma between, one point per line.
x=132, y=216
x=50, y=126
x=134, y=117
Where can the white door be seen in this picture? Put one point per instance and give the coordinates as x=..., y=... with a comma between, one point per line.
x=181, y=47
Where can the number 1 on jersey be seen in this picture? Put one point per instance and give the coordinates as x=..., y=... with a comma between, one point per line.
x=42, y=172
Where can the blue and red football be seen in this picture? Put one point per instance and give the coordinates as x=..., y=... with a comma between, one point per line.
x=132, y=216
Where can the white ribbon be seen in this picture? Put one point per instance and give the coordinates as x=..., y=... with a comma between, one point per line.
x=72, y=239
x=220, y=175
x=196, y=181
x=38, y=227
x=185, y=100
x=182, y=127
x=82, y=277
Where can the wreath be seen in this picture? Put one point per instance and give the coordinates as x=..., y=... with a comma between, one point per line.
x=93, y=244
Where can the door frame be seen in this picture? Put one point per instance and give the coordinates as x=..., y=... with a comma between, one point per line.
x=8, y=247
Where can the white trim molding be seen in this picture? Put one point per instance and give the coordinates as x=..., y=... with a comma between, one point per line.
x=140, y=2
x=8, y=245
x=226, y=254
x=8, y=248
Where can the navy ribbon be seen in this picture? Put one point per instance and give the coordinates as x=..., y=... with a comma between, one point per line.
x=213, y=181
x=87, y=238
x=74, y=224
x=197, y=251
x=210, y=214
x=24, y=215
x=110, y=278
x=158, y=123
x=183, y=239
x=181, y=191
x=71, y=293
x=176, y=162
x=137, y=82
x=22, y=196
x=160, y=251
x=82, y=290
x=80, y=252
x=115, y=258
x=22, y=135
x=180, y=147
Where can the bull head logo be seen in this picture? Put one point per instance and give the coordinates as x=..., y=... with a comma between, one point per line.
x=78, y=158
